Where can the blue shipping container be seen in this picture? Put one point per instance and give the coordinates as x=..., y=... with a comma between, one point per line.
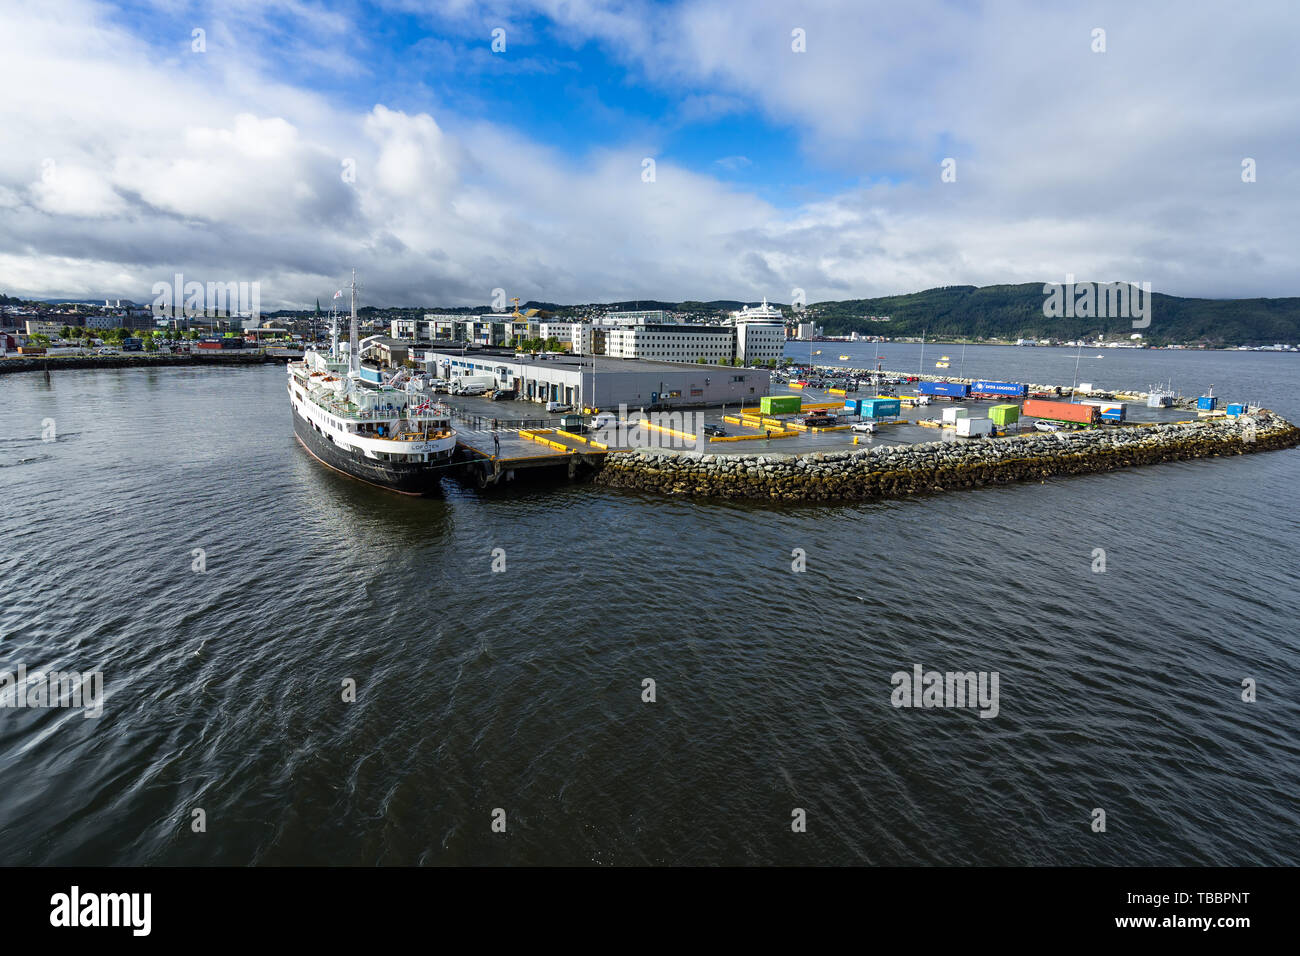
x=1000, y=388
x=880, y=407
x=1236, y=409
x=851, y=406
x=1207, y=403
x=951, y=389
x=1112, y=414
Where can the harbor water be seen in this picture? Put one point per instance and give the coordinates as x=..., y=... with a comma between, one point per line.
x=163, y=527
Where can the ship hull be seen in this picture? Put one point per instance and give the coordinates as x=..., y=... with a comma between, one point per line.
x=417, y=478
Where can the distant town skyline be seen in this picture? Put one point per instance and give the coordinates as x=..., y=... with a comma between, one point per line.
x=583, y=152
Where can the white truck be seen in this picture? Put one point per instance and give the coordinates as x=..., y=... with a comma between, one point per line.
x=472, y=384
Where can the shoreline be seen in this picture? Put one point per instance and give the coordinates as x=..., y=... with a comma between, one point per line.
x=39, y=363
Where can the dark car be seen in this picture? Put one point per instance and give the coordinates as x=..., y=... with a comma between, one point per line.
x=503, y=395
x=818, y=420
x=717, y=431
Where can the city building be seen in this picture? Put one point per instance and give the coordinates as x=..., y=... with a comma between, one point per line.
x=43, y=327
x=650, y=317
x=672, y=343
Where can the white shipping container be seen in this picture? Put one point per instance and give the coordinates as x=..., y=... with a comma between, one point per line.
x=953, y=414
x=974, y=427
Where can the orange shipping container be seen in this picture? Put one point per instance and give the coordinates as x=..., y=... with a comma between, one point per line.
x=1062, y=411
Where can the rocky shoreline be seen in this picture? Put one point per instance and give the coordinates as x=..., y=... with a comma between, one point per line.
x=901, y=471
x=54, y=363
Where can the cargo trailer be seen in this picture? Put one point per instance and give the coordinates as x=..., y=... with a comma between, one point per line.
x=1013, y=389
x=780, y=404
x=1004, y=414
x=950, y=415
x=946, y=389
x=1110, y=411
x=880, y=407
x=974, y=427
x=1074, y=414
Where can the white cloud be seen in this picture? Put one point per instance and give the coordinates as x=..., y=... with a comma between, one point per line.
x=1122, y=165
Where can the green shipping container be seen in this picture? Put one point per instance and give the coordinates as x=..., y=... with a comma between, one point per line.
x=780, y=404
x=1004, y=414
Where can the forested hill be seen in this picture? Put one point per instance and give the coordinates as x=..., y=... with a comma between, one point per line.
x=1016, y=311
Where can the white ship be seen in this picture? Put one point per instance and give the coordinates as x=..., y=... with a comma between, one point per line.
x=371, y=425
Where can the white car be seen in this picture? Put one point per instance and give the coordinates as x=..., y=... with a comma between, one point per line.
x=1047, y=426
x=864, y=427
x=556, y=407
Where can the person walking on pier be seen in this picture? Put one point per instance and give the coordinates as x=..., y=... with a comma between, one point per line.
x=496, y=444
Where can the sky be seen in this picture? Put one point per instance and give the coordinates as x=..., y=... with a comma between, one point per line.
x=703, y=149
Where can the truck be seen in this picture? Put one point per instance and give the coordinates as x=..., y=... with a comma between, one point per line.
x=946, y=389
x=1069, y=412
x=472, y=384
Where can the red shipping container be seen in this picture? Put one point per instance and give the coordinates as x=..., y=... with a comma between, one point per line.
x=1062, y=411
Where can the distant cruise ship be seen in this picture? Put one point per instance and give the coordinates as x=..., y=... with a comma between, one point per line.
x=353, y=419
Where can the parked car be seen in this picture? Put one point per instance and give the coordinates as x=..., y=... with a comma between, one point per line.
x=819, y=420
x=556, y=407
x=1047, y=426
x=864, y=426
x=716, y=431
x=503, y=395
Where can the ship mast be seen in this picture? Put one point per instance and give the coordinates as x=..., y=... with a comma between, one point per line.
x=354, y=359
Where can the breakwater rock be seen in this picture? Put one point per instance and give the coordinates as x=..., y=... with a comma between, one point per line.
x=899, y=471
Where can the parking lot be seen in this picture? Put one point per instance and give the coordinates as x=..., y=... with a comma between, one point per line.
x=478, y=413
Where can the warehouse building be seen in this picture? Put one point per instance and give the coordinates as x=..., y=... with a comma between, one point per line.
x=601, y=381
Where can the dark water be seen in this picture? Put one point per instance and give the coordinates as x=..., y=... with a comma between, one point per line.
x=522, y=689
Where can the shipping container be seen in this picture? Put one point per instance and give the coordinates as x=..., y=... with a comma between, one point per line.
x=780, y=404
x=952, y=414
x=1004, y=414
x=880, y=407
x=1207, y=403
x=974, y=427
x=949, y=389
x=999, y=388
x=1236, y=409
x=852, y=406
x=1061, y=411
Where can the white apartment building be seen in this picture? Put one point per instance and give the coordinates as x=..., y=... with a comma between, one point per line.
x=672, y=343
x=562, y=332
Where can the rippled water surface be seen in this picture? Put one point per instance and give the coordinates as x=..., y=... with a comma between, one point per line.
x=522, y=690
